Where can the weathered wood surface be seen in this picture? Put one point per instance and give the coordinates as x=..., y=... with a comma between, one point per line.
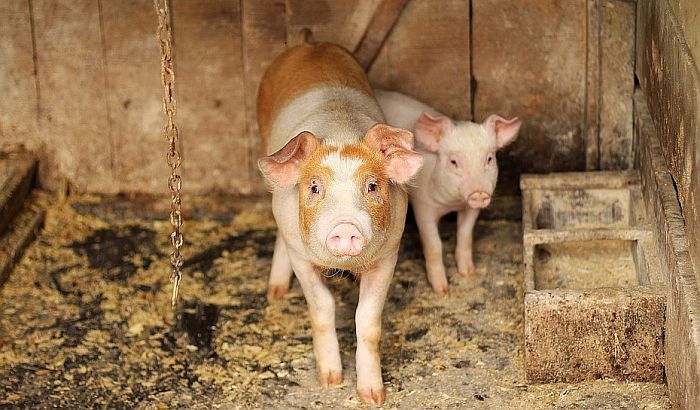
x=211, y=99
x=581, y=335
x=382, y=23
x=13, y=242
x=264, y=36
x=73, y=117
x=18, y=105
x=616, y=43
x=134, y=95
x=427, y=56
x=16, y=179
x=531, y=62
x=669, y=77
x=93, y=112
x=682, y=341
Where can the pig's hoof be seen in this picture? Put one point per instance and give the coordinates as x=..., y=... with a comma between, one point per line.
x=276, y=291
x=371, y=395
x=441, y=289
x=327, y=378
x=469, y=272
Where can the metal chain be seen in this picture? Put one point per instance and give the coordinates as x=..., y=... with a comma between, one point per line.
x=170, y=133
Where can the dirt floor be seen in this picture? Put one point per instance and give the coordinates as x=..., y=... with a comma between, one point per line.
x=86, y=322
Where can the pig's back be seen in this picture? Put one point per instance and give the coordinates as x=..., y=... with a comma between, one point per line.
x=312, y=75
x=401, y=110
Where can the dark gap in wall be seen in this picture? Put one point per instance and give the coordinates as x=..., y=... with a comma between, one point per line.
x=37, y=84
x=472, y=80
x=105, y=80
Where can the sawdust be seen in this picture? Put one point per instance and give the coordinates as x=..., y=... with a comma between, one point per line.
x=86, y=322
x=585, y=265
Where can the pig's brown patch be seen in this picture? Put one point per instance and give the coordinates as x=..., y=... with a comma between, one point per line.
x=301, y=69
x=377, y=204
x=313, y=168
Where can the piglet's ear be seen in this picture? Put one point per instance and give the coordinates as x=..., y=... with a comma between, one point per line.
x=506, y=130
x=282, y=167
x=396, y=146
x=429, y=129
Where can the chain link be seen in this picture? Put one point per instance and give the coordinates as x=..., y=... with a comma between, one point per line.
x=170, y=134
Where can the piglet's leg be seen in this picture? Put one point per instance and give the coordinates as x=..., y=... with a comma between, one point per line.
x=466, y=219
x=281, y=272
x=322, y=314
x=427, y=221
x=374, y=285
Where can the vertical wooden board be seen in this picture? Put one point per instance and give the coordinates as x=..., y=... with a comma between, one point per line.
x=688, y=14
x=591, y=122
x=340, y=22
x=18, y=105
x=617, y=29
x=531, y=62
x=73, y=117
x=427, y=56
x=211, y=114
x=134, y=95
x=670, y=80
x=264, y=38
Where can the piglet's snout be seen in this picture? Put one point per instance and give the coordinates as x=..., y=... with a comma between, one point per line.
x=345, y=240
x=479, y=200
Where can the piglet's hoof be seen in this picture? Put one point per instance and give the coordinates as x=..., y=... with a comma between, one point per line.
x=369, y=395
x=469, y=272
x=276, y=291
x=330, y=378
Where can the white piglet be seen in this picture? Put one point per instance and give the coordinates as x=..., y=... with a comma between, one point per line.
x=459, y=174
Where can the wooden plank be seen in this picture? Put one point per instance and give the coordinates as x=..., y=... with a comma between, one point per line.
x=16, y=179
x=592, y=119
x=18, y=105
x=531, y=62
x=340, y=22
x=12, y=244
x=382, y=23
x=210, y=92
x=73, y=98
x=427, y=56
x=264, y=37
x=616, y=84
x=670, y=80
x=134, y=95
x=682, y=341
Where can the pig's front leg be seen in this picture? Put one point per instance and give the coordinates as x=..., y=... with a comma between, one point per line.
x=322, y=313
x=281, y=271
x=466, y=219
x=374, y=285
x=427, y=221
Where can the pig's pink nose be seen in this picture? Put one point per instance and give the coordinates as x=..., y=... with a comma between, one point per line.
x=479, y=200
x=345, y=240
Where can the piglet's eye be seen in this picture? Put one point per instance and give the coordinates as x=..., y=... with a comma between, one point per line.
x=371, y=187
x=489, y=159
x=314, y=189
x=453, y=162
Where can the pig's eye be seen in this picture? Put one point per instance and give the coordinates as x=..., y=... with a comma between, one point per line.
x=454, y=163
x=314, y=189
x=372, y=187
x=489, y=159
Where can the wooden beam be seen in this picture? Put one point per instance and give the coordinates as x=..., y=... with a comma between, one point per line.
x=380, y=27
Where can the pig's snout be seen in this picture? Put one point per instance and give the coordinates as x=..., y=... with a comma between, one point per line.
x=479, y=200
x=345, y=240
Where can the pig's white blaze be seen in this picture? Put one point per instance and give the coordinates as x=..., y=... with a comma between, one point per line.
x=342, y=190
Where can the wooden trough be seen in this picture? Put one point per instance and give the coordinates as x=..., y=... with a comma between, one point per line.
x=594, y=299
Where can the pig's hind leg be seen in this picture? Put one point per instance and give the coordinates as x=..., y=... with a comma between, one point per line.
x=466, y=219
x=281, y=272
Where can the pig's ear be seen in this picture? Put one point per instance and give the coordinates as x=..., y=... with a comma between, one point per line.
x=506, y=130
x=429, y=129
x=396, y=146
x=282, y=167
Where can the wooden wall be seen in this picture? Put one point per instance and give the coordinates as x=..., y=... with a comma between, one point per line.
x=80, y=81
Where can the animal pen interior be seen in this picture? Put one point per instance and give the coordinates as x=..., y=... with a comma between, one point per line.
x=608, y=89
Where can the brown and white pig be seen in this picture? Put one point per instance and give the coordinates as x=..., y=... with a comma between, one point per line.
x=338, y=196
x=459, y=174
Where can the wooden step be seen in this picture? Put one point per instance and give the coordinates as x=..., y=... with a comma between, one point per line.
x=16, y=178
